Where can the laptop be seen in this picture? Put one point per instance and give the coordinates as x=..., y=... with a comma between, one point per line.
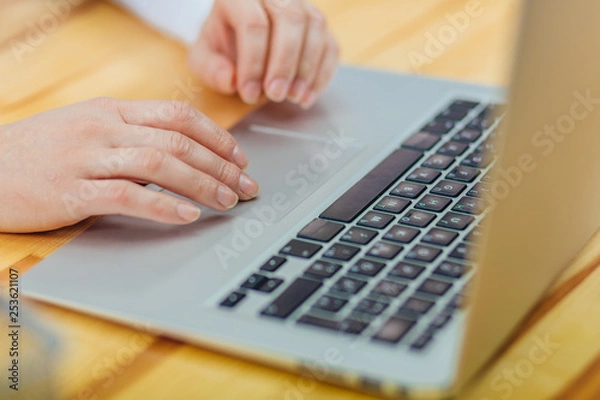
x=384, y=252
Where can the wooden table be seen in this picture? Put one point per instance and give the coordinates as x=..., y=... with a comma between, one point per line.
x=98, y=50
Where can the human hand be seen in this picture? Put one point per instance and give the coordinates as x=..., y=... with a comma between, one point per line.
x=278, y=47
x=62, y=166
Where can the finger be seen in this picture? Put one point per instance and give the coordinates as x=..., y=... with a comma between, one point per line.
x=215, y=69
x=183, y=118
x=190, y=152
x=315, y=44
x=160, y=168
x=325, y=74
x=121, y=197
x=287, y=41
x=252, y=30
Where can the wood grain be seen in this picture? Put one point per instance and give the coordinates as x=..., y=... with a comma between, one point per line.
x=99, y=50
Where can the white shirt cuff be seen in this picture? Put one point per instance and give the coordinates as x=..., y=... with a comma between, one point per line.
x=179, y=18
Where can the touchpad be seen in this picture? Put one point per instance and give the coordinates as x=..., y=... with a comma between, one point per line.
x=289, y=165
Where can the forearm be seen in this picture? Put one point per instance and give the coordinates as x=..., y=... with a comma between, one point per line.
x=179, y=18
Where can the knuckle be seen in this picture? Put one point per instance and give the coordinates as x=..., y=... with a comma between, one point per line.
x=209, y=187
x=102, y=102
x=317, y=19
x=151, y=160
x=227, y=173
x=89, y=123
x=182, y=112
x=224, y=143
x=294, y=13
x=180, y=146
x=162, y=207
x=256, y=23
x=118, y=193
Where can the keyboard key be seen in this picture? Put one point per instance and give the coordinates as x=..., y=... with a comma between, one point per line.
x=348, y=285
x=372, y=307
x=408, y=190
x=422, y=341
x=470, y=205
x=270, y=285
x=440, y=321
x=478, y=160
x=421, y=141
x=455, y=221
x=323, y=269
x=463, y=251
x=467, y=136
x=341, y=252
x=367, y=268
x=299, y=248
x=384, y=250
x=439, y=237
x=448, y=188
x=375, y=220
x=273, y=264
x=451, y=269
x=458, y=301
x=475, y=235
x=479, y=190
x=353, y=326
x=464, y=104
x=406, y=270
x=401, y=234
x=392, y=205
x=433, y=203
x=369, y=188
x=320, y=230
x=291, y=298
x=319, y=322
x=453, y=149
x=423, y=175
x=454, y=114
x=463, y=174
x=417, y=218
x=423, y=253
x=394, y=329
x=358, y=235
x=255, y=281
x=439, y=126
x=331, y=304
x=438, y=161
x=415, y=305
x=434, y=287
x=388, y=288
x=482, y=122
x=487, y=146
x=233, y=300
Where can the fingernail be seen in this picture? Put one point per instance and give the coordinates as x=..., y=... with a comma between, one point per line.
x=298, y=90
x=188, y=212
x=310, y=100
x=240, y=158
x=226, y=197
x=251, y=92
x=248, y=186
x=278, y=90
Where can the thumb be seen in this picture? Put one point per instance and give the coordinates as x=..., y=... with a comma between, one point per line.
x=214, y=68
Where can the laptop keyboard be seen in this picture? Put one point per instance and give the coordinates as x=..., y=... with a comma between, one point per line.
x=390, y=258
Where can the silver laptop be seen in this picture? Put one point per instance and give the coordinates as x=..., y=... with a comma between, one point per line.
x=378, y=217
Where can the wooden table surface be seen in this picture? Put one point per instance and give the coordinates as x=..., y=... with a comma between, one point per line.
x=98, y=50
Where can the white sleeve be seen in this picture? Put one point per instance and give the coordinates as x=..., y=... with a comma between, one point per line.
x=179, y=18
